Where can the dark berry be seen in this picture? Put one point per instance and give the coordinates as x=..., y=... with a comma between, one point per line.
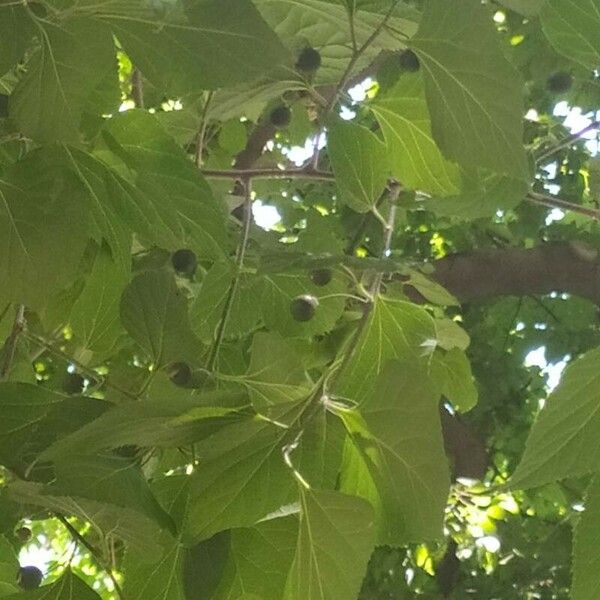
x=23, y=534
x=560, y=82
x=321, y=277
x=184, y=261
x=73, y=383
x=281, y=116
x=29, y=578
x=181, y=374
x=309, y=60
x=303, y=307
x=409, y=61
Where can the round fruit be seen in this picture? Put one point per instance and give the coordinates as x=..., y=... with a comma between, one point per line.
x=29, y=578
x=23, y=534
x=303, y=307
x=560, y=82
x=309, y=60
x=409, y=61
x=321, y=277
x=181, y=374
x=73, y=383
x=281, y=116
x=184, y=261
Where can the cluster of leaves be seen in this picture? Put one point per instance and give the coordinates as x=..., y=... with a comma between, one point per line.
x=195, y=407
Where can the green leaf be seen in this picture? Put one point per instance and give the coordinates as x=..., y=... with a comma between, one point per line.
x=206, y=309
x=16, y=33
x=399, y=435
x=162, y=580
x=359, y=161
x=453, y=372
x=395, y=329
x=276, y=374
x=474, y=94
x=217, y=43
x=242, y=478
x=9, y=566
x=95, y=314
x=586, y=554
x=68, y=587
x=40, y=249
x=32, y=418
x=177, y=206
x=73, y=58
x=278, y=291
x=108, y=492
x=572, y=28
x=113, y=211
x=482, y=194
x=154, y=312
x=415, y=159
x=563, y=440
x=431, y=290
x=334, y=545
x=259, y=560
x=324, y=25
x=161, y=422
x=451, y=335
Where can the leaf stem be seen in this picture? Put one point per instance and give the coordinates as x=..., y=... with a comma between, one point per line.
x=568, y=141
x=202, y=130
x=358, y=53
x=244, y=174
x=10, y=347
x=239, y=263
x=552, y=202
x=80, y=539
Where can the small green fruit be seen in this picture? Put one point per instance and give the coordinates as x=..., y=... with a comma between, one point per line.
x=321, y=277
x=409, y=61
x=559, y=82
x=280, y=116
x=23, y=534
x=184, y=261
x=303, y=307
x=29, y=578
x=309, y=60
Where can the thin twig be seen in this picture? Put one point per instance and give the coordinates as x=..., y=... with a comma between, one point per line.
x=79, y=538
x=83, y=368
x=137, y=88
x=358, y=53
x=375, y=285
x=10, y=347
x=202, y=130
x=239, y=263
x=552, y=202
x=245, y=174
x=568, y=141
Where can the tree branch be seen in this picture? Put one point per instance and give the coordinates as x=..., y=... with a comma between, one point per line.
x=571, y=268
x=568, y=141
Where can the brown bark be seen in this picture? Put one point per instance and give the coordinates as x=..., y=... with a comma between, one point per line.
x=569, y=267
